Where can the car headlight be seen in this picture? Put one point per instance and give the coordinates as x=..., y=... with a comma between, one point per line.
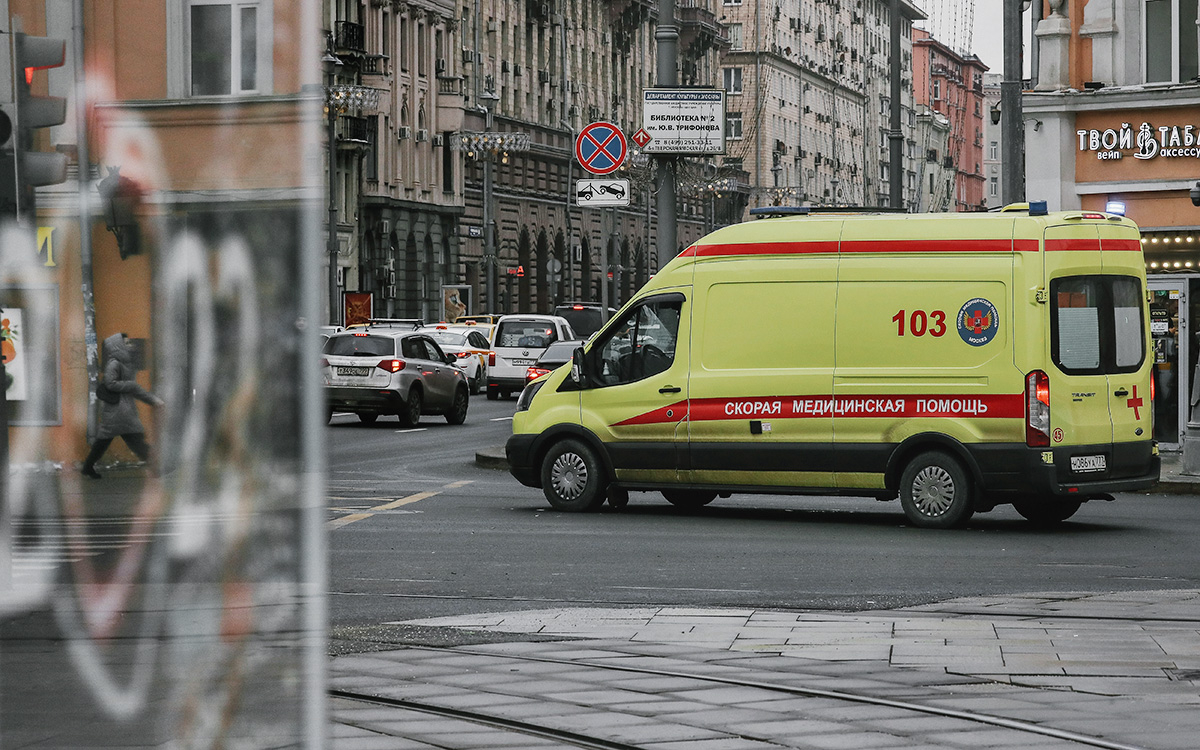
x=527, y=395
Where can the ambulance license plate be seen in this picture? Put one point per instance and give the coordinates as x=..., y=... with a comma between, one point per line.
x=356, y=371
x=1083, y=464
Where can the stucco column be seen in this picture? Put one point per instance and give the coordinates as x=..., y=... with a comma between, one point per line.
x=1054, y=36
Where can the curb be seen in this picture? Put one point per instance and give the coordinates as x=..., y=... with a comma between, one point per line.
x=492, y=458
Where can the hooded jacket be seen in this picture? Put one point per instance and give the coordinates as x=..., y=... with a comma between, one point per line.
x=121, y=418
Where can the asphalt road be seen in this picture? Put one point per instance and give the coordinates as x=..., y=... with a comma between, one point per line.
x=456, y=538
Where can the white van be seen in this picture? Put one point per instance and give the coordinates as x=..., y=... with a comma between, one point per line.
x=518, y=342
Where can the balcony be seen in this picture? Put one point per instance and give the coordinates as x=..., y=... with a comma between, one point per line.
x=627, y=16
x=353, y=131
x=449, y=103
x=348, y=37
x=699, y=29
x=375, y=65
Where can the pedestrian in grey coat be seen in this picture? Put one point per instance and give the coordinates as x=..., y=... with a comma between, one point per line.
x=120, y=419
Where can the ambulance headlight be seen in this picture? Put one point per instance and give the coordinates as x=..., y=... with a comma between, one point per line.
x=527, y=395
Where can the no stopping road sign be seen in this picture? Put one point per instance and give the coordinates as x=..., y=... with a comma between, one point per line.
x=601, y=147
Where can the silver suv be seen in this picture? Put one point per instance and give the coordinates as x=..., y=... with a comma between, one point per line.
x=373, y=372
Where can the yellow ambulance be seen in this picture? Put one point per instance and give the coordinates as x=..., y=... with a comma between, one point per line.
x=956, y=361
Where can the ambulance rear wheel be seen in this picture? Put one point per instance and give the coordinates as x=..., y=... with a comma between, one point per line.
x=573, y=478
x=689, y=498
x=1046, y=511
x=935, y=491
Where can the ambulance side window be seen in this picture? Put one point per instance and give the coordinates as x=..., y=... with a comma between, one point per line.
x=1096, y=325
x=640, y=344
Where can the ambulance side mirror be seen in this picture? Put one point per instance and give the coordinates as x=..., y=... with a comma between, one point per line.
x=579, y=368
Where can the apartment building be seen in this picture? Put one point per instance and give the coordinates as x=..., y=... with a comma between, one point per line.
x=463, y=174
x=951, y=84
x=808, y=113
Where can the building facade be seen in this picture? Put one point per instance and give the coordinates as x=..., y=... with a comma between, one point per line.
x=1115, y=117
x=808, y=111
x=952, y=85
x=937, y=173
x=993, y=139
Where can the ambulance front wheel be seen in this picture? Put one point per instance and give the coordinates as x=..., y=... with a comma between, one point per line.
x=935, y=491
x=573, y=478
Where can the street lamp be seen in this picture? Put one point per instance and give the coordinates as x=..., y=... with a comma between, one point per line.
x=485, y=146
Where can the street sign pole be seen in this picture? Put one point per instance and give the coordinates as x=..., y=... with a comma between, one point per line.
x=667, y=38
x=600, y=149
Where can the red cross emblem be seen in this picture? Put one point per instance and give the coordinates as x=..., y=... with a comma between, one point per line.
x=979, y=321
x=1133, y=402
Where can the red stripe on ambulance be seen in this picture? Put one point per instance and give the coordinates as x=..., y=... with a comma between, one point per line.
x=865, y=246
x=999, y=406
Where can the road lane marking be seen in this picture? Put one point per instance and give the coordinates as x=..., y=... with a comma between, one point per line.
x=415, y=429
x=346, y=520
x=502, y=419
x=403, y=501
x=338, y=523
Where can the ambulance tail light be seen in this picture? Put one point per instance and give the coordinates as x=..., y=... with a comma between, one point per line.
x=1037, y=409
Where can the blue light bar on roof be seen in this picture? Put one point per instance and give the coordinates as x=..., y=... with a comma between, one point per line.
x=1115, y=207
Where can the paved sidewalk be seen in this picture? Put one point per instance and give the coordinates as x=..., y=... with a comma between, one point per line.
x=1121, y=667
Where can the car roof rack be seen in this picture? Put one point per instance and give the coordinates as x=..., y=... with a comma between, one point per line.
x=412, y=323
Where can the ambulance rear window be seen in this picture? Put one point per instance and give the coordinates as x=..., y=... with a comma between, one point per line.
x=1096, y=325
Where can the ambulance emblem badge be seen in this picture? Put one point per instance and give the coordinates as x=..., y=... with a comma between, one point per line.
x=978, y=322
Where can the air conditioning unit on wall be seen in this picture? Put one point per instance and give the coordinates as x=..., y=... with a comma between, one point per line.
x=403, y=132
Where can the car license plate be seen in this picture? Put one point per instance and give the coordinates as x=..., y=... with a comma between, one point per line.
x=356, y=371
x=522, y=362
x=1081, y=464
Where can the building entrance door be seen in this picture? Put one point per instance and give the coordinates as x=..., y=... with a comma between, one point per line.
x=1170, y=325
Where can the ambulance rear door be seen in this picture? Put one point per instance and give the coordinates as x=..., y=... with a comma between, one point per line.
x=1129, y=402
x=1083, y=350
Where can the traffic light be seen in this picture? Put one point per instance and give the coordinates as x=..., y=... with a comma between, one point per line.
x=22, y=165
x=33, y=53
x=8, y=119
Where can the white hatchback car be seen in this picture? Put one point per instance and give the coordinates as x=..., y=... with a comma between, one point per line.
x=518, y=342
x=470, y=346
x=373, y=372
